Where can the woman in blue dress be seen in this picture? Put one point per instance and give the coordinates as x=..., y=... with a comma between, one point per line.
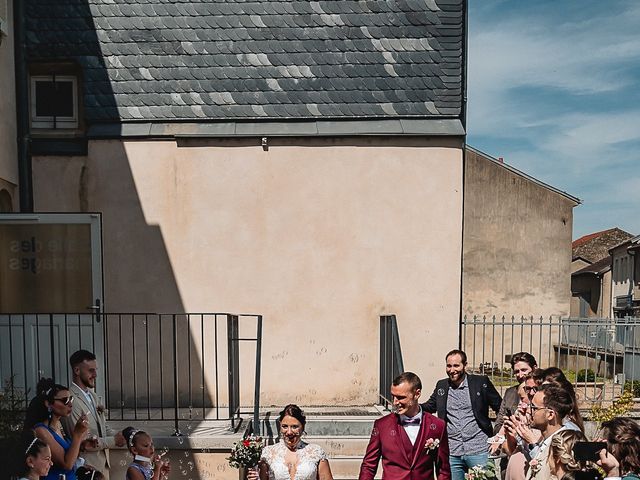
x=51, y=403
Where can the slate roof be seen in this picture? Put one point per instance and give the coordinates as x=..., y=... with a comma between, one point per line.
x=202, y=60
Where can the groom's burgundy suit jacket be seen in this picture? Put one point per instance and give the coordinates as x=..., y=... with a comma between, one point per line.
x=400, y=459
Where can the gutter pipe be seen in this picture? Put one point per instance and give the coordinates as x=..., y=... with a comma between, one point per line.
x=25, y=181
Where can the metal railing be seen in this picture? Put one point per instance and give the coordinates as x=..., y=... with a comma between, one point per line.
x=391, y=363
x=600, y=355
x=156, y=366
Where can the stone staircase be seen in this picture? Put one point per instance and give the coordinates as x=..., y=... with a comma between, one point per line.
x=344, y=436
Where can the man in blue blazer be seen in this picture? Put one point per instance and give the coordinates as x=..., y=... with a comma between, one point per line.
x=463, y=400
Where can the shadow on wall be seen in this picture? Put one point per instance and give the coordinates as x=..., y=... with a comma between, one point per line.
x=6, y=204
x=140, y=369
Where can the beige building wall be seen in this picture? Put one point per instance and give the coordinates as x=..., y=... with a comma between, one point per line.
x=8, y=144
x=621, y=267
x=578, y=264
x=607, y=301
x=321, y=236
x=517, y=243
x=516, y=261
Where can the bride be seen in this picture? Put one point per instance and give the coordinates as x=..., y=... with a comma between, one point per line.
x=292, y=458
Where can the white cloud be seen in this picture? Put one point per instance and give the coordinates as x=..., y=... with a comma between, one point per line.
x=557, y=96
x=582, y=58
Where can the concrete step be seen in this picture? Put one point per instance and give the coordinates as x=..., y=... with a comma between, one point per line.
x=348, y=467
x=326, y=427
x=341, y=446
x=344, y=438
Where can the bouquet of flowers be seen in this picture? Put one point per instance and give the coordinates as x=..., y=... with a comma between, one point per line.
x=246, y=453
x=482, y=472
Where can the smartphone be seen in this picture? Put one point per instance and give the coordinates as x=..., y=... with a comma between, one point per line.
x=507, y=412
x=588, y=451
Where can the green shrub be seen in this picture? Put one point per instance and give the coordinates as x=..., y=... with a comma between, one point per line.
x=586, y=375
x=619, y=408
x=12, y=409
x=633, y=386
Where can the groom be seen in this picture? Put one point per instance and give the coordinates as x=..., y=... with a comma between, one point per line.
x=410, y=442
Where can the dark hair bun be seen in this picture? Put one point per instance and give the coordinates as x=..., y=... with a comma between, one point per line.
x=294, y=411
x=44, y=384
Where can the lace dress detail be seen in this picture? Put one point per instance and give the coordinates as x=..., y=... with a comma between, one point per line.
x=309, y=456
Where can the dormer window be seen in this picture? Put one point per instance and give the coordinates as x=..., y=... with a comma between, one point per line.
x=54, y=102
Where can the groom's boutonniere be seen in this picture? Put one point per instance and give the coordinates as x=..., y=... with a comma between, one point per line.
x=534, y=466
x=431, y=444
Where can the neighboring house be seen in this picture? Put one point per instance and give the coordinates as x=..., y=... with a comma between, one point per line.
x=625, y=260
x=591, y=290
x=595, y=246
x=302, y=160
x=517, y=241
x=591, y=287
x=8, y=133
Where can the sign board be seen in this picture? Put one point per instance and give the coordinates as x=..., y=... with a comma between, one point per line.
x=50, y=263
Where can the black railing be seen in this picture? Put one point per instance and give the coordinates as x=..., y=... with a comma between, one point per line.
x=391, y=364
x=600, y=355
x=156, y=366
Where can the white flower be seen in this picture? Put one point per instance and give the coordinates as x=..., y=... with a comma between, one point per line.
x=431, y=444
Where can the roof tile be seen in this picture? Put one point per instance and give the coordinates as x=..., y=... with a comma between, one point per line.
x=194, y=59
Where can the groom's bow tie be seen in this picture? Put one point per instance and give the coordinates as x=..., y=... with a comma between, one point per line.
x=409, y=421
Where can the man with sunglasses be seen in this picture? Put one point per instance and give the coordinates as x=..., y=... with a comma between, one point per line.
x=549, y=406
x=85, y=370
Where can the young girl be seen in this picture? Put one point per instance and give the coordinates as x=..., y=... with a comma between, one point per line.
x=36, y=459
x=146, y=465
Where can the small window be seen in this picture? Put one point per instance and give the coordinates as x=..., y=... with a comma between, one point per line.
x=54, y=101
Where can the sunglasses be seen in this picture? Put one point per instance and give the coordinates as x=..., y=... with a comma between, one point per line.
x=530, y=389
x=65, y=400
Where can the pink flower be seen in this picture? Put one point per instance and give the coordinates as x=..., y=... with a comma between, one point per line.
x=431, y=444
x=534, y=465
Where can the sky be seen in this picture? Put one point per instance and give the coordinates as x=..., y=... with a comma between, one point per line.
x=554, y=89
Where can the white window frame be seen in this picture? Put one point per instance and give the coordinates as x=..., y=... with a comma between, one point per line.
x=50, y=121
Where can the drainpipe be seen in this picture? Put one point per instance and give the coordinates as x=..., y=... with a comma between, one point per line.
x=632, y=275
x=25, y=183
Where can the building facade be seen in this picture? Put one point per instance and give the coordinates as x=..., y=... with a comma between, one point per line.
x=517, y=242
x=8, y=132
x=301, y=160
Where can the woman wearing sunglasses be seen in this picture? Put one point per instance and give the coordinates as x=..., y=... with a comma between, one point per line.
x=43, y=415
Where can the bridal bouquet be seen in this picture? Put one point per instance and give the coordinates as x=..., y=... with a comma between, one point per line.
x=482, y=472
x=246, y=453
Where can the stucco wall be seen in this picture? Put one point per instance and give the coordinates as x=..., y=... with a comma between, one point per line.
x=578, y=264
x=320, y=236
x=8, y=144
x=517, y=244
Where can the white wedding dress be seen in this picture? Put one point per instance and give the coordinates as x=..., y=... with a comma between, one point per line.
x=309, y=456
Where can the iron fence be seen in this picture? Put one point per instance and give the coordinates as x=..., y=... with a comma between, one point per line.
x=172, y=367
x=391, y=363
x=599, y=355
